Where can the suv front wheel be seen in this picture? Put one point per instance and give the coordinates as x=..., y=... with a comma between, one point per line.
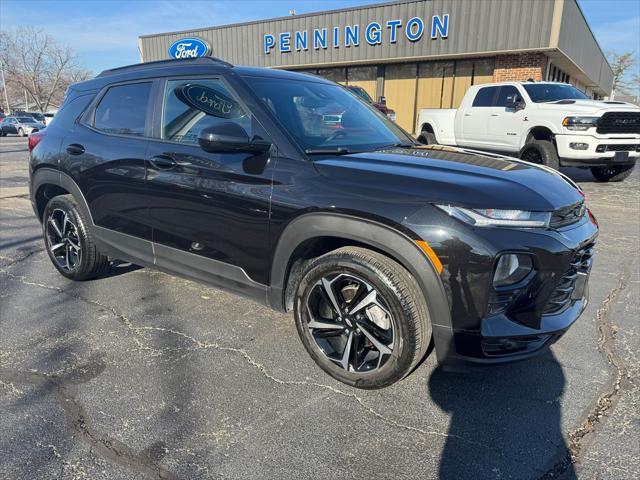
x=361, y=317
x=69, y=244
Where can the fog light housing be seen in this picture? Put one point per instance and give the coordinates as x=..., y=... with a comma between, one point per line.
x=579, y=146
x=511, y=268
x=601, y=148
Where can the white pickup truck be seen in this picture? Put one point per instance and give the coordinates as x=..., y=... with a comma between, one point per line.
x=554, y=124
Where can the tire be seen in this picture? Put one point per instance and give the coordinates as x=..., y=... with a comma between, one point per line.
x=542, y=152
x=69, y=244
x=383, y=312
x=428, y=138
x=20, y=132
x=614, y=173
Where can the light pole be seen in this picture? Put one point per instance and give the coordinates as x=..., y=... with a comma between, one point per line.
x=4, y=86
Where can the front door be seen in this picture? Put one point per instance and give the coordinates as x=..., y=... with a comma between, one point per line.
x=506, y=124
x=210, y=211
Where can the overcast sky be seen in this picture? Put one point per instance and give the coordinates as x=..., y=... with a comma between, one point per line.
x=104, y=32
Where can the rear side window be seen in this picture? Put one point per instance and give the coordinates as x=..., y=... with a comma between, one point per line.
x=192, y=105
x=123, y=109
x=484, y=97
x=506, y=91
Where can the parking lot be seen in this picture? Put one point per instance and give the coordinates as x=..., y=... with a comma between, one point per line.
x=144, y=375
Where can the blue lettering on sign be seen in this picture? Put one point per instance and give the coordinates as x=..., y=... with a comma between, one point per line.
x=188, y=48
x=414, y=29
x=440, y=26
x=372, y=34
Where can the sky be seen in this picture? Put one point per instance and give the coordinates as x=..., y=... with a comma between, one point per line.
x=104, y=33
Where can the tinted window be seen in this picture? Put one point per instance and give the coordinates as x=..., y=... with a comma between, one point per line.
x=552, y=92
x=325, y=116
x=506, y=91
x=123, y=109
x=484, y=97
x=192, y=105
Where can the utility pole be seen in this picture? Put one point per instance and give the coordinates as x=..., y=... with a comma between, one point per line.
x=4, y=86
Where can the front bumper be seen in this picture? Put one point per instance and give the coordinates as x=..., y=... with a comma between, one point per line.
x=620, y=150
x=480, y=335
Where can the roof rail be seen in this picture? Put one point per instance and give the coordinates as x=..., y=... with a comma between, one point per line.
x=158, y=63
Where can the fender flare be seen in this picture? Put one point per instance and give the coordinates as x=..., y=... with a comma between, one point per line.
x=50, y=176
x=378, y=235
x=544, y=124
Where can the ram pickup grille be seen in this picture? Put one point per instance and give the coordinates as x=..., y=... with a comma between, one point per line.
x=562, y=295
x=627, y=147
x=567, y=215
x=619, y=122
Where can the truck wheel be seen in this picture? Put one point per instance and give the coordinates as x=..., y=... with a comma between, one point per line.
x=614, y=173
x=69, y=244
x=542, y=152
x=362, y=317
x=428, y=138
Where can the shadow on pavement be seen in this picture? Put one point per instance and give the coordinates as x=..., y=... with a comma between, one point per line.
x=505, y=420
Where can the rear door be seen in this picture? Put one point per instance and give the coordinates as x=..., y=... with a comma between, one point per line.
x=506, y=124
x=105, y=155
x=210, y=211
x=475, y=119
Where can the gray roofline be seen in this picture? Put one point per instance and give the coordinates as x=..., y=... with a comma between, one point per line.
x=287, y=17
x=594, y=37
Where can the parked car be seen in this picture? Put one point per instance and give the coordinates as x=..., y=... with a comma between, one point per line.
x=48, y=117
x=21, y=126
x=380, y=105
x=549, y=123
x=376, y=243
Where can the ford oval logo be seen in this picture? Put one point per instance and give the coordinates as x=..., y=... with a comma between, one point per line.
x=188, y=48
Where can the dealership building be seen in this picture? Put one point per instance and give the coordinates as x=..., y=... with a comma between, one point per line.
x=417, y=54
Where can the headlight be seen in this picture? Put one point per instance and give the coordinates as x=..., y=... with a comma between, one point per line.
x=491, y=217
x=580, y=123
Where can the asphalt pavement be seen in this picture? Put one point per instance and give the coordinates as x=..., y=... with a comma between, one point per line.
x=143, y=375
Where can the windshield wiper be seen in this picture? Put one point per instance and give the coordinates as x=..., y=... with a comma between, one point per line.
x=330, y=151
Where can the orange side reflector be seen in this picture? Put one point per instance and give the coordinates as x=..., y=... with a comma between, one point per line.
x=431, y=254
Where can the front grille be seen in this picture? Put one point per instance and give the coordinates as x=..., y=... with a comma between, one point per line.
x=567, y=215
x=561, y=296
x=627, y=147
x=619, y=122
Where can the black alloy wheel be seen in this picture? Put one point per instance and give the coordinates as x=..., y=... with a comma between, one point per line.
x=63, y=240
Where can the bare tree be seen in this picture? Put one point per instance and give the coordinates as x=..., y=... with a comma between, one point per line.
x=621, y=64
x=39, y=66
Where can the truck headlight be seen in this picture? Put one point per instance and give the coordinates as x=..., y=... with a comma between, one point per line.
x=492, y=217
x=580, y=123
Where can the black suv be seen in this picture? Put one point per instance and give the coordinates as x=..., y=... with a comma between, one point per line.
x=288, y=189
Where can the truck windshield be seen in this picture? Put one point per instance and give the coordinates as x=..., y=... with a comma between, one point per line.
x=552, y=92
x=324, y=118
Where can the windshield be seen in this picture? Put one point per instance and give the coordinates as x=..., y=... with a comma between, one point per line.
x=324, y=117
x=362, y=93
x=552, y=92
x=26, y=120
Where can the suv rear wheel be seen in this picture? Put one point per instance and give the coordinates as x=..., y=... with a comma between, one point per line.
x=614, y=173
x=69, y=244
x=542, y=152
x=361, y=317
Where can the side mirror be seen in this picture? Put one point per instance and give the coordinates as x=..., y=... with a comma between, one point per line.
x=229, y=137
x=514, y=102
x=382, y=99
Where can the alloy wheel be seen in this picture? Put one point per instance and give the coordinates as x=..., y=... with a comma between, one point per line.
x=532, y=155
x=63, y=240
x=350, y=322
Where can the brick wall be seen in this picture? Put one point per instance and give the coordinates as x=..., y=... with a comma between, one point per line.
x=520, y=66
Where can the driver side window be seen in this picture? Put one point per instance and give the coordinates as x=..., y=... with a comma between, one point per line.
x=191, y=105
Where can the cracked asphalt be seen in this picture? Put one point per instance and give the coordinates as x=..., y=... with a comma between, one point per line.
x=142, y=375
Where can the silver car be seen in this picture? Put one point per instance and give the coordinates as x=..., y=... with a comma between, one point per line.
x=21, y=126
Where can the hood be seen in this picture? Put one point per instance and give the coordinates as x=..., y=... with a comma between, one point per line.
x=437, y=174
x=589, y=106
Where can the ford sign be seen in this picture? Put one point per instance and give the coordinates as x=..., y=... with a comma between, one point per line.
x=188, y=48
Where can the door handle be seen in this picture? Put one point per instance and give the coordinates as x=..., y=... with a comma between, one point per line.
x=163, y=162
x=75, y=149
x=495, y=114
x=467, y=114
